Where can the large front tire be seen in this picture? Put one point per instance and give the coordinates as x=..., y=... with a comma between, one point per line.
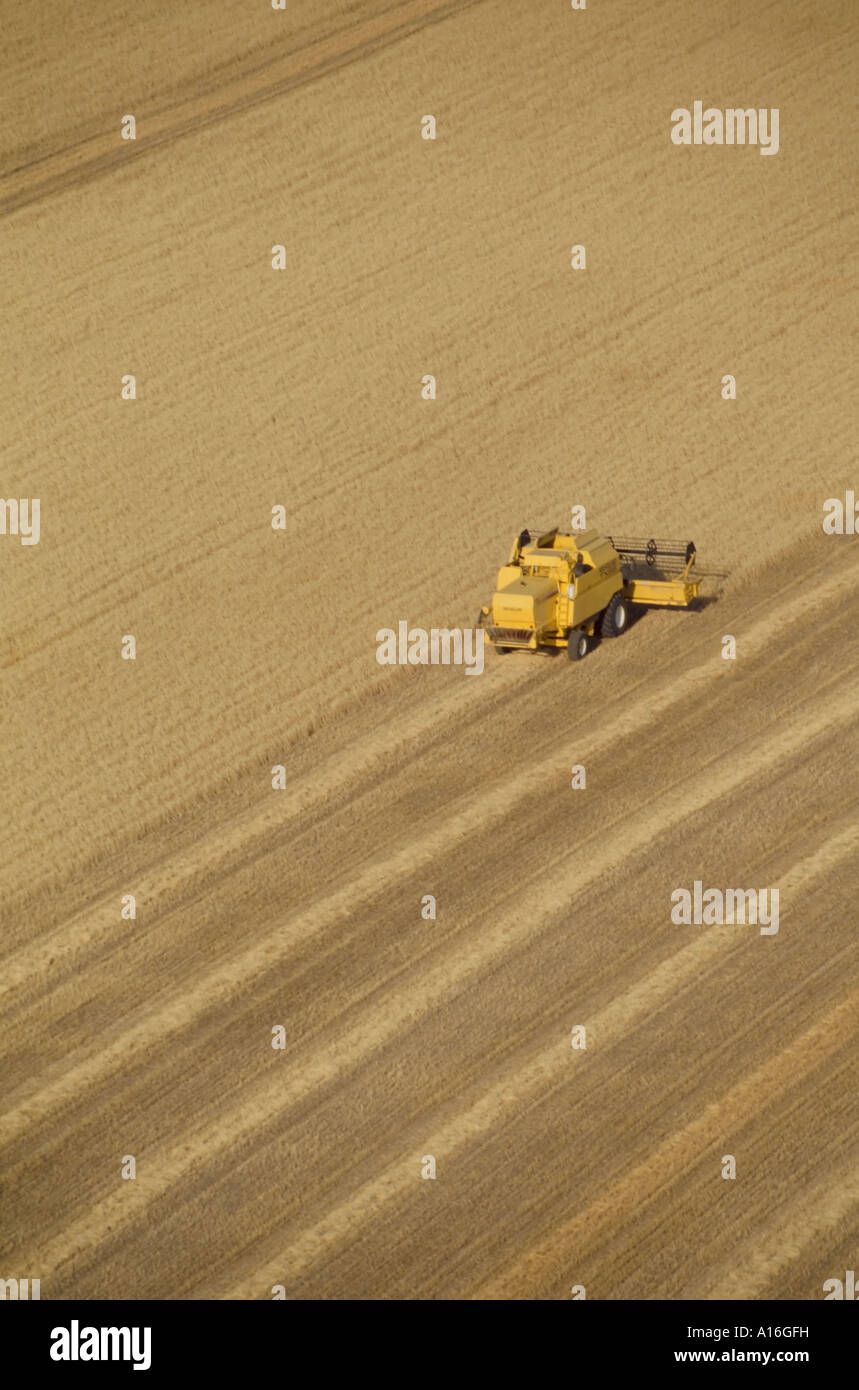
x=577, y=645
x=615, y=619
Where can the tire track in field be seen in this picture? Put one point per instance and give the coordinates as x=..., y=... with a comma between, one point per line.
x=737, y=1107
x=238, y=838
x=606, y=1028
x=104, y=153
x=817, y=1215
x=478, y=813
x=398, y=1009
x=96, y=923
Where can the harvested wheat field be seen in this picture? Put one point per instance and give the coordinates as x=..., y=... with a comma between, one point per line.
x=302, y=906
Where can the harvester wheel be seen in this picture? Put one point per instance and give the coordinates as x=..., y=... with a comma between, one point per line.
x=502, y=651
x=615, y=619
x=577, y=645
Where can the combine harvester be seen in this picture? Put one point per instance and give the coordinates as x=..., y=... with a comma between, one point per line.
x=559, y=590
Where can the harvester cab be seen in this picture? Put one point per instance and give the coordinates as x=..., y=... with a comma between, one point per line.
x=559, y=590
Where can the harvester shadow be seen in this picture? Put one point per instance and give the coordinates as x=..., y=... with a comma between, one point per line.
x=638, y=610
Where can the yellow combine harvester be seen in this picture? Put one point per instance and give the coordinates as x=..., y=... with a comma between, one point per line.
x=558, y=590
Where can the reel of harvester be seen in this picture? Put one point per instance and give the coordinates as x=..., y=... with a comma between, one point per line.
x=657, y=573
x=670, y=557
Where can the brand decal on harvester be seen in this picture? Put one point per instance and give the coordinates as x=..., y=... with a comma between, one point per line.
x=76, y=1343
